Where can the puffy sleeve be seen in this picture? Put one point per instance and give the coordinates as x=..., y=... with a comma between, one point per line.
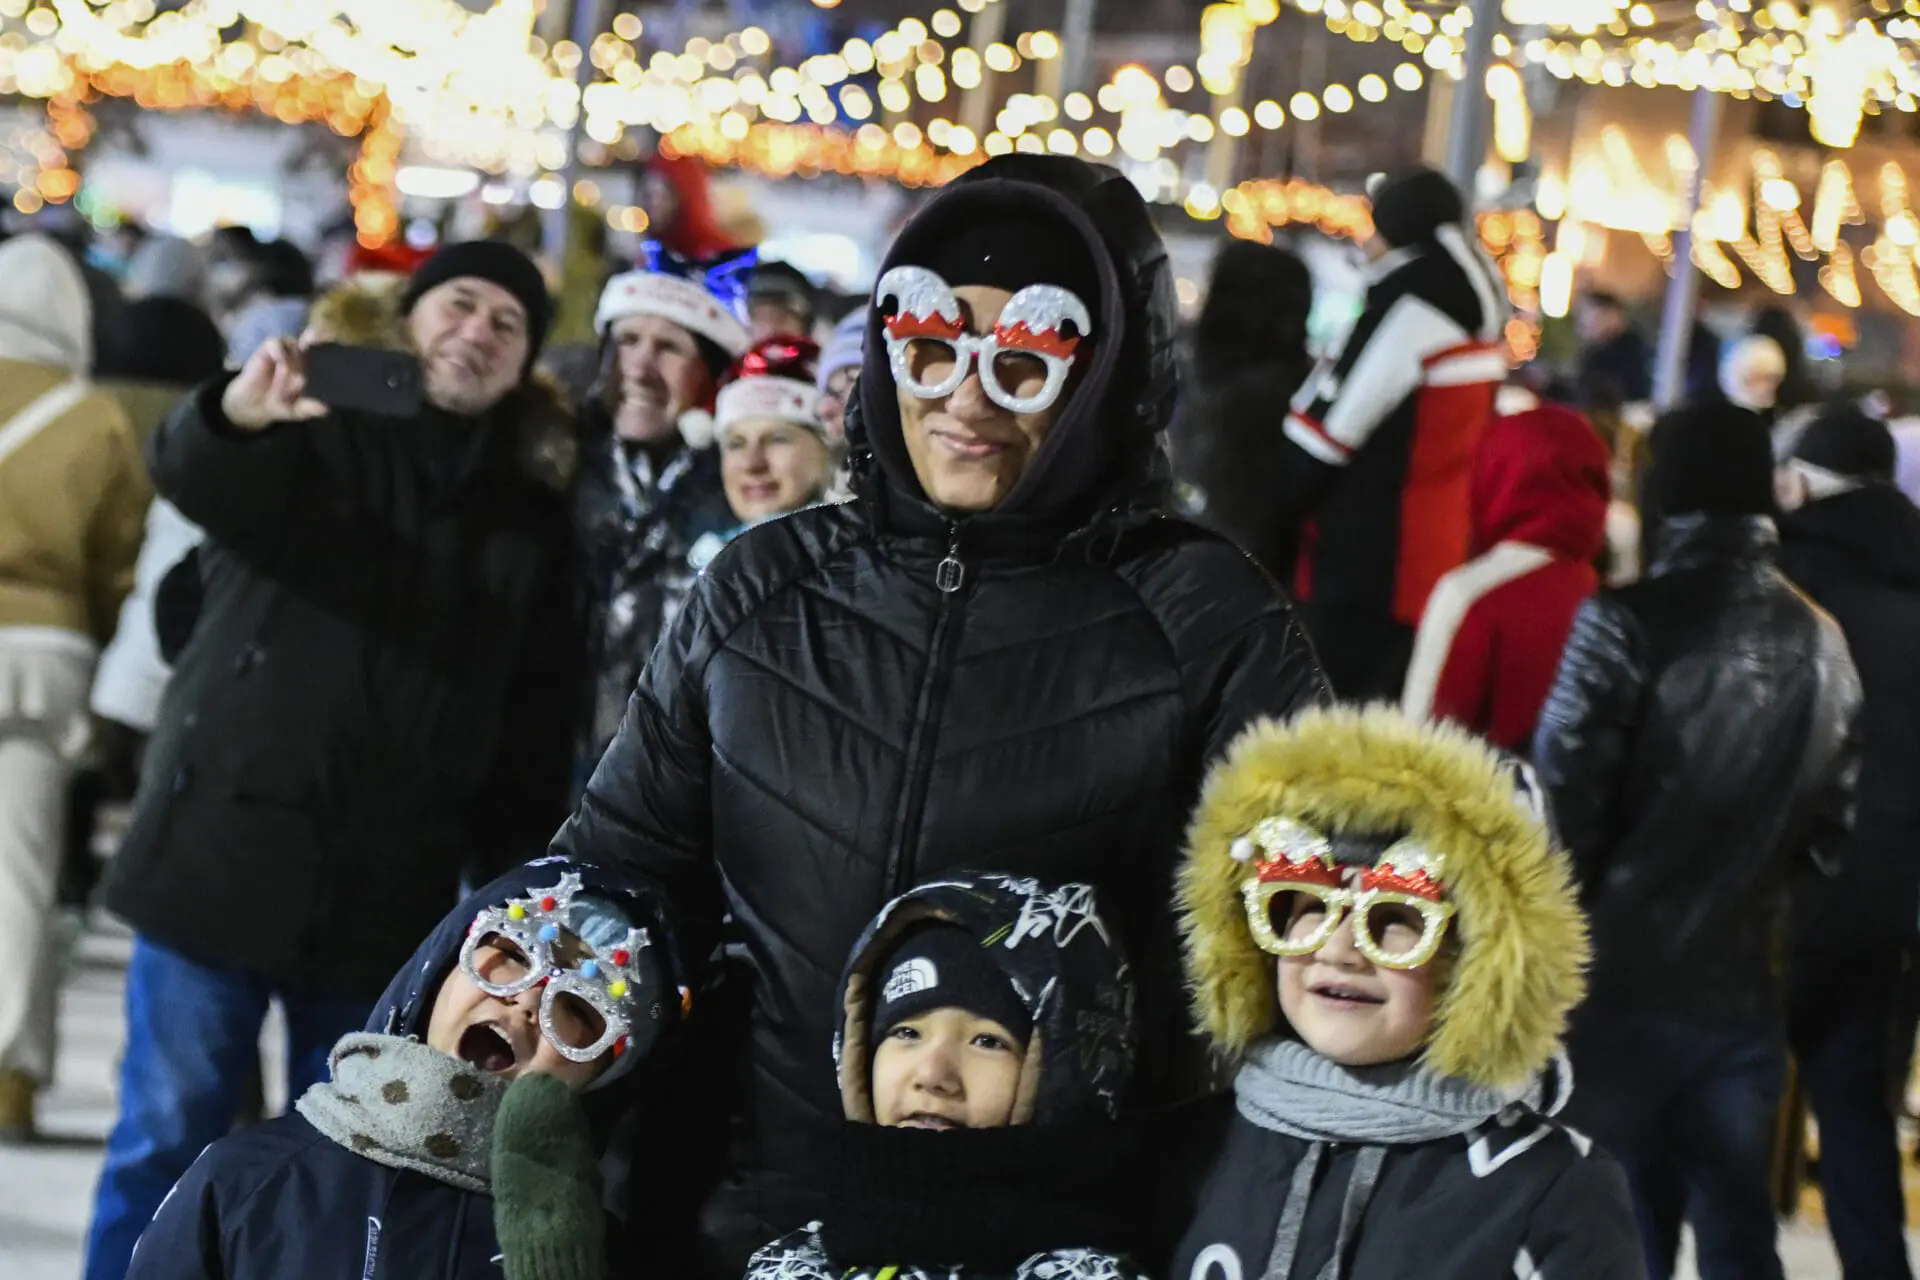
x=648, y=806
x=240, y=486
x=1244, y=657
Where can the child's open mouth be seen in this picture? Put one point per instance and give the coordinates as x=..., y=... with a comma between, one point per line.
x=486, y=1046
x=1341, y=995
x=921, y=1120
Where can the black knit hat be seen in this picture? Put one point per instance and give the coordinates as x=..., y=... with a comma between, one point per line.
x=1710, y=458
x=1015, y=249
x=497, y=263
x=942, y=966
x=1409, y=207
x=1848, y=441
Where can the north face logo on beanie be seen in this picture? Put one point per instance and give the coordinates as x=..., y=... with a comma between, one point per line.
x=911, y=977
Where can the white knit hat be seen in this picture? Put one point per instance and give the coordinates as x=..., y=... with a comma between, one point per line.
x=787, y=399
x=673, y=298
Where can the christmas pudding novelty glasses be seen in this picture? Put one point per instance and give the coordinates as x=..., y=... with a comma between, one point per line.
x=930, y=350
x=1297, y=896
x=585, y=1008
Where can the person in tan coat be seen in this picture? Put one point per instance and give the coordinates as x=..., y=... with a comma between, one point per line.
x=72, y=496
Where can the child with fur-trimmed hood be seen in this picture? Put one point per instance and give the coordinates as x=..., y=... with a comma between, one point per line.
x=1382, y=939
x=984, y=1041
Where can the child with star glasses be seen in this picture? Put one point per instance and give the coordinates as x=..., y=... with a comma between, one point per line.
x=588, y=997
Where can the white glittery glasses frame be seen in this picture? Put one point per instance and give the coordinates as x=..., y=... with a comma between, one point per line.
x=585, y=982
x=926, y=310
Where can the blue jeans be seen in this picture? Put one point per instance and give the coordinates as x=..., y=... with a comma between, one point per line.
x=1689, y=1109
x=192, y=1032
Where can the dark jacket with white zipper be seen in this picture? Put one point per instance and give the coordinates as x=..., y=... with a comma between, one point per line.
x=857, y=697
x=1520, y=1196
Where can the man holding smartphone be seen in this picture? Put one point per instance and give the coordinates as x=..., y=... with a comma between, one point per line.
x=381, y=687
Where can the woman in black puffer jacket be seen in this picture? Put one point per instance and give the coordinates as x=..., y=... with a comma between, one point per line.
x=1003, y=652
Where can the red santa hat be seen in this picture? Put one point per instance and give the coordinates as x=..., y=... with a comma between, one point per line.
x=775, y=379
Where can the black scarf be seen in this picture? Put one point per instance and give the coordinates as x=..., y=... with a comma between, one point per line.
x=980, y=1199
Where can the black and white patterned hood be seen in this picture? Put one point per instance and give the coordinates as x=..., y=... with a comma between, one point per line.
x=1063, y=960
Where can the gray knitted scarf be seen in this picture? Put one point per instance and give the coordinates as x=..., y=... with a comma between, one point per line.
x=1288, y=1088
x=406, y=1105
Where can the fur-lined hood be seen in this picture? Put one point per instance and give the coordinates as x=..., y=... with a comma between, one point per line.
x=1522, y=939
x=365, y=312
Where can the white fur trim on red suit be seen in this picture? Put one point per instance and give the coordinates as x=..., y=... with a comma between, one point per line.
x=649, y=293
x=787, y=399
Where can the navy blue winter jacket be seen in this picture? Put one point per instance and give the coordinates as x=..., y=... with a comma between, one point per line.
x=282, y=1200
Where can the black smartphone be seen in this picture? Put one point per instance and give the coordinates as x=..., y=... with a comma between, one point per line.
x=366, y=379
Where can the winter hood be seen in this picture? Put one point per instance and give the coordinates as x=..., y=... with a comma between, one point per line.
x=1874, y=527
x=45, y=317
x=406, y=1007
x=1366, y=778
x=1062, y=959
x=1105, y=440
x=1542, y=477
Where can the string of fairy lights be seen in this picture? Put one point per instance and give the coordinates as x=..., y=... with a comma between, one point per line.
x=483, y=90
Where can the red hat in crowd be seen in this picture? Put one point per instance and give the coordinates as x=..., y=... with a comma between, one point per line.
x=774, y=379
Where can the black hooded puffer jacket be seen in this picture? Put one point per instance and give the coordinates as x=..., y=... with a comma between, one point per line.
x=823, y=726
x=1055, y=1193
x=282, y=1199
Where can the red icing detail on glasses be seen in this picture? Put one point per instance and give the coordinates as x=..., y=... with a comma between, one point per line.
x=908, y=325
x=1308, y=870
x=1419, y=884
x=1048, y=342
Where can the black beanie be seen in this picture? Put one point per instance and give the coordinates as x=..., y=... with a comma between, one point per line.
x=1410, y=206
x=1710, y=458
x=496, y=262
x=1849, y=442
x=1013, y=250
x=942, y=966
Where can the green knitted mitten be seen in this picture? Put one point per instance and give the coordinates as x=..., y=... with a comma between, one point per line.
x=546, y=1185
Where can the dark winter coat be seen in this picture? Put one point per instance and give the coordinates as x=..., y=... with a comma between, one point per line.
x=1858, y=556
x=1058, y=1188
x=1698, y=737
x=1619, y=370
x=823, y=726
x=1227, y=450
x=379, y=690
x=1520, y=1196
x=638, y=514
x=281, y=1199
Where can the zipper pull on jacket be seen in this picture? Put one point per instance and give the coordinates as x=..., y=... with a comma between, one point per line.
x=951, y=572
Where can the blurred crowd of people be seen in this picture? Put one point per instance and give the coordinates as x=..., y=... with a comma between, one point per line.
x=954, y=600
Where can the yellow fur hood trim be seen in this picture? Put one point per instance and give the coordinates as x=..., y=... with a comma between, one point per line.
x=1522, y=938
